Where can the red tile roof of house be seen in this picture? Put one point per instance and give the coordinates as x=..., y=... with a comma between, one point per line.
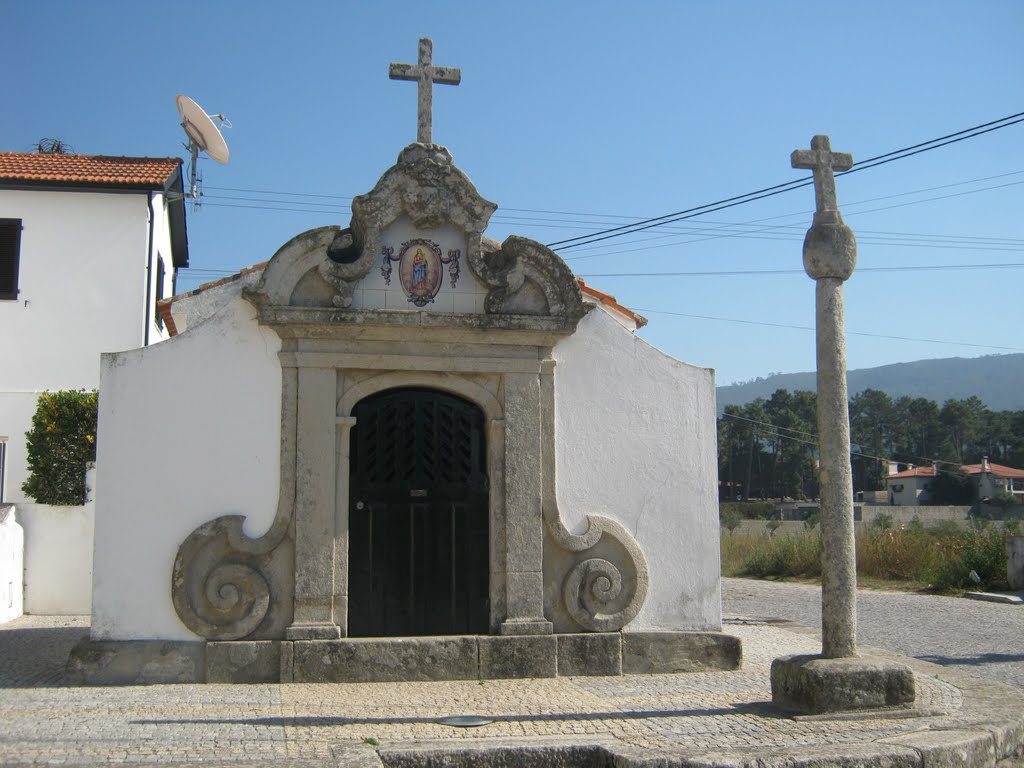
x=609, y=301
x=915, y=472
x=971, y=469
x=996, y=469
x=87, y=170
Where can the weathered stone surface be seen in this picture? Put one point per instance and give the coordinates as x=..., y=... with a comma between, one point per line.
x=135, y=662
x=1015, y=561
x=661, y=652
x=814, y=684
x=598, y=653
x=518, y=656
x=385, y=660
x=243, y=661
x=830, y=255
x=424, y=73
x=538, y=753
x=949, y=749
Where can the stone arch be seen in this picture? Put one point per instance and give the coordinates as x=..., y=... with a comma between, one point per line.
x=446, y=382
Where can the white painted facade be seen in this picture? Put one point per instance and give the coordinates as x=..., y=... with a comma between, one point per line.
x=12, y=552
x=635, y=443
x=633, y=427
x=58, y=558
x=87, y=284
x=222, y=439
x=909, y=489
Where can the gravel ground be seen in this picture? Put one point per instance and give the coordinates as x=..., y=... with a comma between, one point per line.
x=980, y=638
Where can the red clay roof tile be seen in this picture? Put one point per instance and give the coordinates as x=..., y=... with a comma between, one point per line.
x=149, y=172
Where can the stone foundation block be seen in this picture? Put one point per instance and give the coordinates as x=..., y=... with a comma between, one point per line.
x=373, y=660
x=135, y=662
x=655, y=653
x=816, y=685
x=243, y=661
x=518, y=656
x=589, y=654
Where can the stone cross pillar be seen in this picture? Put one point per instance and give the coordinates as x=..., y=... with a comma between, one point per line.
x=425, y=74
x=838, y=679
x=830, y=255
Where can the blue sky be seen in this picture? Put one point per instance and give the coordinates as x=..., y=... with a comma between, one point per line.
x=575, y=117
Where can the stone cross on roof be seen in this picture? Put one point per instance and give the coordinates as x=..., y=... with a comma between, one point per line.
x=823, y=161
x=425, y=74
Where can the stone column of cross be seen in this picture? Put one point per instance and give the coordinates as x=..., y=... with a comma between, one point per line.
x=830, y=253
x=838, y=679
x=425, y=74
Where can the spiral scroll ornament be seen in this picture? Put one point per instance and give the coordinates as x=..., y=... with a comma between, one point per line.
x=597, y=593
x=589, y=588
x=223, y=584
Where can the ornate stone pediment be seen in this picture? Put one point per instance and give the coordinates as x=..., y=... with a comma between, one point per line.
x=423, y=208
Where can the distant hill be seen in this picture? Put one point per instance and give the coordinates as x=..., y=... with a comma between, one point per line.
x=998, y=380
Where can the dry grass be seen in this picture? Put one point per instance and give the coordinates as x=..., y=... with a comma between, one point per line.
x=940, y=558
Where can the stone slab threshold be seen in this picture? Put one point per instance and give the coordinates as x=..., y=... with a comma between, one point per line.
x=966, y=747
x=400, y=659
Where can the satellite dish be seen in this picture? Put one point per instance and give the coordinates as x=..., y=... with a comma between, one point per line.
x=203, y=135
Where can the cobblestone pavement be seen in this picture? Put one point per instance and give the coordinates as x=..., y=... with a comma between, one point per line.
x=703, y=714
x=981, y=638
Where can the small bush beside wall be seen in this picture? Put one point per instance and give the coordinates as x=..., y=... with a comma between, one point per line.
x=62, y=440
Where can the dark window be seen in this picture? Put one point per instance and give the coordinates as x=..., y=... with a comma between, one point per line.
x=10, y=251
x=159, y=290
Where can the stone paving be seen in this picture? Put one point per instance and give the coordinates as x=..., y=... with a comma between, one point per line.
x=720, y=718
x=980, y=638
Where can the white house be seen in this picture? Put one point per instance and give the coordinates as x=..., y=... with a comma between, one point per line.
x=991, y=479
x=913, y=486
x=88, y=246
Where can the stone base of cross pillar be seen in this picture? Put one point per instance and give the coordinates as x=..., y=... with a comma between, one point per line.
x=816, y=685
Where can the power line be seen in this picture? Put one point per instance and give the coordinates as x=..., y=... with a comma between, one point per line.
x=811, y=328
x=760, y=194
x=738, y=272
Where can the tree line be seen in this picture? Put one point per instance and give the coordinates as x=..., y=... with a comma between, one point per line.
x=767, y=449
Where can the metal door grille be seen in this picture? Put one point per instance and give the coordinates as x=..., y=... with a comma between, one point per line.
x=418, y=516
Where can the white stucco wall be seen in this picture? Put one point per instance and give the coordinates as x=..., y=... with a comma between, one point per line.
x=636, y=441
x=58, y=558
x=12, y=547
x=82, y=291
x=219, y=441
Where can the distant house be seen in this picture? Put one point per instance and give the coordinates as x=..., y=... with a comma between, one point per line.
x=992, y=479
x=88, y=246
x=913, y=486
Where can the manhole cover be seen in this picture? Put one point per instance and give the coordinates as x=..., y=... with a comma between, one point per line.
x=466, y=721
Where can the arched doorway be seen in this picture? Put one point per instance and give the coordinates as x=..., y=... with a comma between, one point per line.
x=418, y=516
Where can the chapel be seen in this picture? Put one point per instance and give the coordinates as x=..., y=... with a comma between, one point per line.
x=401, y=450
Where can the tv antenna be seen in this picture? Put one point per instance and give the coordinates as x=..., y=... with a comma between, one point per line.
x=203, y=136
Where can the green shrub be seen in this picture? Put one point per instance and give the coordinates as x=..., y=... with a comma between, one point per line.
x=62, y=440
x=731, y=519
x=749, y=510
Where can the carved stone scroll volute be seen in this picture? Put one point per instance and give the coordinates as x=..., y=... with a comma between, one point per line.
x=607, y=583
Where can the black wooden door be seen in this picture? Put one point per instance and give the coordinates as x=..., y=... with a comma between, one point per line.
x=418, y=516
